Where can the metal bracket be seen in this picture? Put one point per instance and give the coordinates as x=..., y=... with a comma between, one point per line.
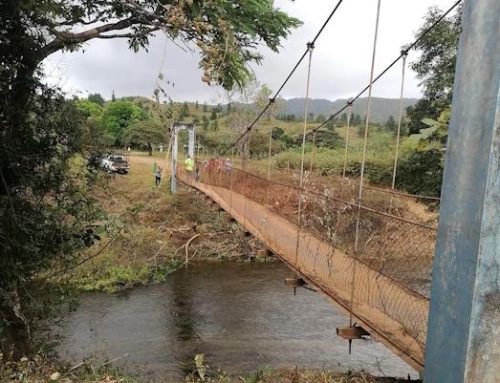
x=298, y=282
x=353, y=332
x=295, y=282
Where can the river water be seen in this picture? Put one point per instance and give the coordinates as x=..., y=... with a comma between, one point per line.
x=241, y=316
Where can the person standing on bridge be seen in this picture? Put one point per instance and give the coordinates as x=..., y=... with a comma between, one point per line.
x=189, y=165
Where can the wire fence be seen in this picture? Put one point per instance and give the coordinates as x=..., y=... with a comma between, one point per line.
x=385, y=284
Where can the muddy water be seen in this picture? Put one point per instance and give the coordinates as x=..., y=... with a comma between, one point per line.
x=241, y=316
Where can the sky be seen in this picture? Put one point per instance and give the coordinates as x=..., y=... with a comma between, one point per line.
x=340, y=64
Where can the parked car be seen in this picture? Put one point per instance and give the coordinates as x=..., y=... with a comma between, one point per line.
x=119, y=163
x=116, y=163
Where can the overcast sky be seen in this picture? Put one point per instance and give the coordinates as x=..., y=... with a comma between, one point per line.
x=341, y=59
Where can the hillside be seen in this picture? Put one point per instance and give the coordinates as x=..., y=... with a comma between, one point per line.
x=382, y=108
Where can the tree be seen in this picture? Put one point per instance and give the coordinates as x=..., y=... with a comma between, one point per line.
x=226, y=35
x=320, y=119
x=113, y=98
x=357, y=120
x=329, y=139
x=213, y=116
x=277, y=132
x=288, y=141
x=421, y=168
x=261, y=99
x=330, y=125
x=184, y=112
x=89, y=109
x=205, y=122
x=96, y=98
x=144, y=134
x=435, y=67
x=214, y=125
x=118, y=115
x=258, y=144
x=242, y=116
x=47, y=212
x=45, y=208
x=205, y=108
x=196, y=105
x=391, y=124
x=94, y=137
x=47, y=215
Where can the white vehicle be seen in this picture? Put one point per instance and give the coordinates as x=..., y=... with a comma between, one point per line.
x=115, y=163
x=107, y=164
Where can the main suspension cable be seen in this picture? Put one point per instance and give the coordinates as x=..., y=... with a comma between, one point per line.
x=403, y=53
x=276, y=94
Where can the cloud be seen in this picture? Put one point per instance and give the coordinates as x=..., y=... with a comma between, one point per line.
x=340, y=65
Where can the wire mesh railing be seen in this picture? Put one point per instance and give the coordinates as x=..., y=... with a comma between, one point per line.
x=419, y=208
x=385, y=283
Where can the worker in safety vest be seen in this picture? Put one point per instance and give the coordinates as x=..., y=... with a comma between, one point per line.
x=189, y=165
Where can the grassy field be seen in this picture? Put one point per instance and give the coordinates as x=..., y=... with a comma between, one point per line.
x=327, y=161
x=379, y=156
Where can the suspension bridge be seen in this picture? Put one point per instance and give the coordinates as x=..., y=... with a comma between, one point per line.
x=384, y=292
x=371, y=250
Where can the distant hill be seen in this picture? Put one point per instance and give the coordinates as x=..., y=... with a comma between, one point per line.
x=382, y=108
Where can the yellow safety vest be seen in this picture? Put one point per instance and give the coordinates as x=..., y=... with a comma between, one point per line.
x=189, y=163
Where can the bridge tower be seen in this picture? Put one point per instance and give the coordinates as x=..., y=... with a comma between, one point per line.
x=176, y=128
x=463, y=339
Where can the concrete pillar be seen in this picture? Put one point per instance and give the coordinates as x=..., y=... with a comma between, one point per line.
x=463, y=341
x=173, y=178
x=191, y=142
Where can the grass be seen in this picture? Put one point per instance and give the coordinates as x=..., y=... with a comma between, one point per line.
x=41, y=369
x=205, y=374
x=379, y=158
x=147, y=229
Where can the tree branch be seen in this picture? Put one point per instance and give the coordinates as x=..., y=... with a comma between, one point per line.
x=128, y=35
x=65, y=39
x=81, y=21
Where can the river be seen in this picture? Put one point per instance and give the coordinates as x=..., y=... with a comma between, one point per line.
x=241, y=316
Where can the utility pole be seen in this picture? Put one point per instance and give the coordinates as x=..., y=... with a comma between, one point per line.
x=463, y=339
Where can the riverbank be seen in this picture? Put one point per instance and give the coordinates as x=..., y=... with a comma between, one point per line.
x=149, y=233
x=39, y=369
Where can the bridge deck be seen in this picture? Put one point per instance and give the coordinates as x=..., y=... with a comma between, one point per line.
x=393, y=314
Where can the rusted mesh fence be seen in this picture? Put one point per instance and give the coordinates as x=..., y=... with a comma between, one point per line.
x=385, y=283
